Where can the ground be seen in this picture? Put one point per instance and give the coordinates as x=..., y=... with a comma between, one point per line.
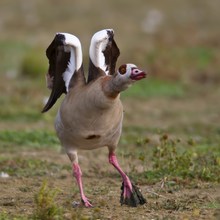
x=192, y=199
x=170, y=145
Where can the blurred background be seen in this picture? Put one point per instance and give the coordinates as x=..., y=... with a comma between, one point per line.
x=174, y=40
x=171, y=129
x=149, y=32
x=177, y=42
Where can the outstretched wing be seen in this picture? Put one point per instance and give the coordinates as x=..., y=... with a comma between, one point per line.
x=103, y=53
x=65, y=60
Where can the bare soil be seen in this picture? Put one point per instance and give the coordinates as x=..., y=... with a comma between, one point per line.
x=102, y=186
x=102, y=182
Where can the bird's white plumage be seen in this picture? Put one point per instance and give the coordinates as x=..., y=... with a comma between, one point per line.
x=73, y=46
x=98, y=44
x=67, y=75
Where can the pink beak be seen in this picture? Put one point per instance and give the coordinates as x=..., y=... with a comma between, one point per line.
x=137, y=74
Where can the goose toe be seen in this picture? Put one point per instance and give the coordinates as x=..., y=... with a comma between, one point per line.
x=131, y=198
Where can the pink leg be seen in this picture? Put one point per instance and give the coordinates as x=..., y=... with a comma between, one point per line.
x=77, y=173
x=127, y=183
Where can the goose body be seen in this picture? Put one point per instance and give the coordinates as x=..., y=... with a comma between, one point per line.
x=91, y=113
x=92, y=122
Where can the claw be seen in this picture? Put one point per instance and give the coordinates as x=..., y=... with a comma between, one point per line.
x=86, y=203
x=131, y=198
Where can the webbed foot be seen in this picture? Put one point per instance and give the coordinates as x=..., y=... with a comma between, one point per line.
x=86, y=203
x=131, y=198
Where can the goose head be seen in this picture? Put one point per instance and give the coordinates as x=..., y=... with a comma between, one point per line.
x=126, y=75
x=130, y=73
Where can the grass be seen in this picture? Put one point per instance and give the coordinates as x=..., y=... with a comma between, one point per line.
x=173, y=159
x=170, y=161
x=30, y=167
x=34, y=63
x=45, y=206
x=11, y=54
x=28, y=139
x=179, y=98
x=5, y=216
x=184, y=64
x=155, y=88
x=176, y=164
x=168, y=157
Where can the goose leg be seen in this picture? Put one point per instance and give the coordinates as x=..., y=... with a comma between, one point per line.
x=130, y=193
x=78, y=174
x=127, y=183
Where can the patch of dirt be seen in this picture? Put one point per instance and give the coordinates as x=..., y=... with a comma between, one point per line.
x=102, y=182
x=102, y=186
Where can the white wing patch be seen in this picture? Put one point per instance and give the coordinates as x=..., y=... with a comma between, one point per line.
x=98, y=44
x=72, y=45
x=71, y=67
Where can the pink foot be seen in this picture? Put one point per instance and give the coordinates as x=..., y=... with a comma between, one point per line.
x=86, y=203
x=130, y=195
x=77, y=173
x=127, y=188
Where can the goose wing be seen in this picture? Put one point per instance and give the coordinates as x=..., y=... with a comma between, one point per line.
x=65, y=60
x=103, y=53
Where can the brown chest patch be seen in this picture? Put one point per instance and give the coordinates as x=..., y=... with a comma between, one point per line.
x=93, y=136
x=108, y=91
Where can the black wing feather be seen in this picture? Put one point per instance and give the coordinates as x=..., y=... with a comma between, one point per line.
x=111, y=54
x=58, y=61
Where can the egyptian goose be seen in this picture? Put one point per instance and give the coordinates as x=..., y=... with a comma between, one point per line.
x=91, y=113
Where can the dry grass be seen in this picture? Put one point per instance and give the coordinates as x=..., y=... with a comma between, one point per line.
x=170, y=39
x=178, y=43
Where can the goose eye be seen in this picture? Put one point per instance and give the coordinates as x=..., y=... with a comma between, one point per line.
x=122, y=69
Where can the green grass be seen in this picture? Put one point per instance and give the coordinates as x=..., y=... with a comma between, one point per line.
x=28, y=139
x=188, y=159
x=27, y=115
x=11, y=53
x=152, y=87
x=4, y=216
x=21, y=58
x=29, y=167
x=190, y=163
x=181, y=58
x=188, y=64
x=213, y=205
x=45, y=206
x=34, y=63
x=171, y=159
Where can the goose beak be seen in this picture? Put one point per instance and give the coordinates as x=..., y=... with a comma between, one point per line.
x=137, y=74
